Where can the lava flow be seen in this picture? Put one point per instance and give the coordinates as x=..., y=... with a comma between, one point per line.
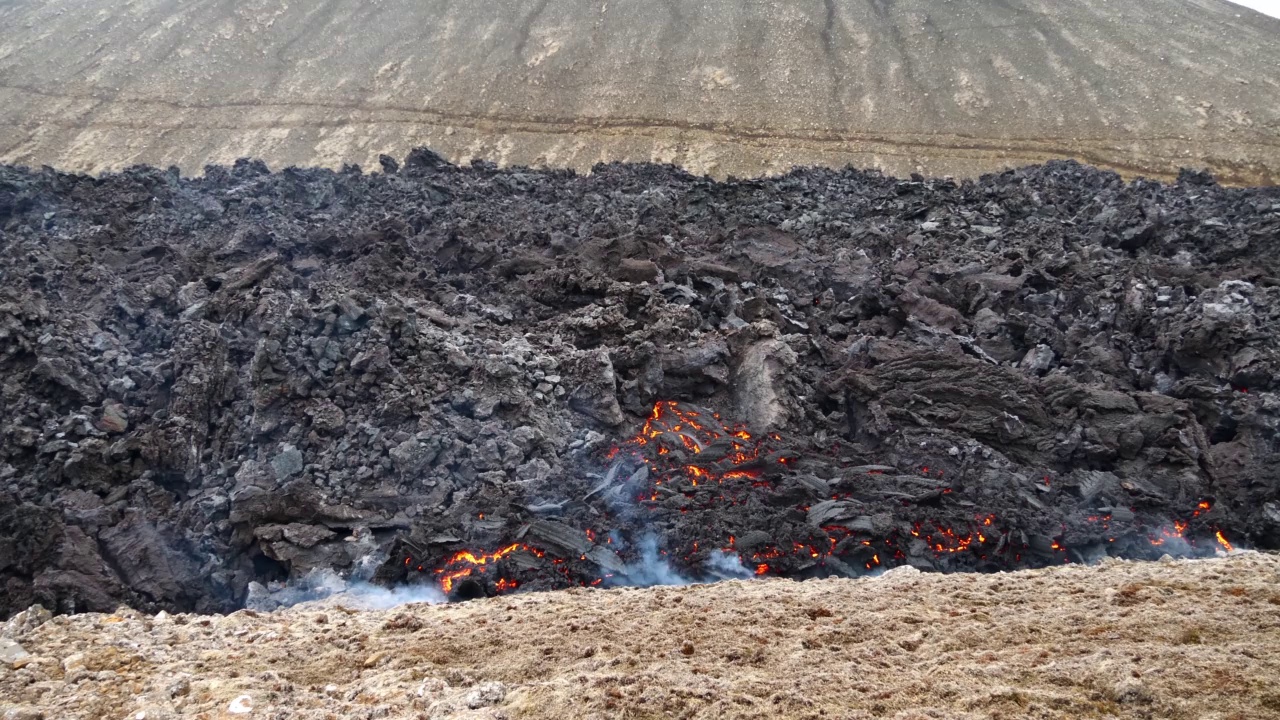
x=1180, y=528
x=704, y=479
x=687, y=449
x=697, y=446
x=465, y=562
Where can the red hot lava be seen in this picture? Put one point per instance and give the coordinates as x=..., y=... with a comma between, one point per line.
x=1180, y=528
x=686, y=449
x=690, y=452
x=697, y=446
x=464, y=563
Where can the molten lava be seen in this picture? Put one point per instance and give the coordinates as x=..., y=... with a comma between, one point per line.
x=465, y=562
x=685, y=459
x=696, y=446
x=1180, y=527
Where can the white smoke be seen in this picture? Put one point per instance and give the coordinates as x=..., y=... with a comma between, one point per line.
x=1173, y=544
x=362, y=595
x=353, y=590
x=1173, y=541
x=728, y=566
x=328, y=587
x=652, y=569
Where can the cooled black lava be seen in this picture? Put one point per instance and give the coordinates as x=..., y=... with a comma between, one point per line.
x=253, y=375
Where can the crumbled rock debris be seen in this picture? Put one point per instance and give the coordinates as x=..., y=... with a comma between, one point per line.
x=251, y=376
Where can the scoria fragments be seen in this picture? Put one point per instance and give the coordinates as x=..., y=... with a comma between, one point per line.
x=488, y=380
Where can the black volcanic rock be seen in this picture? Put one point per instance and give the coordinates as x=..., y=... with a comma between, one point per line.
x=243, y=377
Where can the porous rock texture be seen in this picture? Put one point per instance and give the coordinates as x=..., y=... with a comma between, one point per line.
x=250, y=375
x=1184, y=640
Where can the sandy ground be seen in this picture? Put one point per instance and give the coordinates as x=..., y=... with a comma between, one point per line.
x=1184, y=639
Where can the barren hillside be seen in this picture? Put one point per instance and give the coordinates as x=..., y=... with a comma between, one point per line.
x=722, y=86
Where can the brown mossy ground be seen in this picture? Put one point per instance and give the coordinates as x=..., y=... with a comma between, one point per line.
x=1185, y=639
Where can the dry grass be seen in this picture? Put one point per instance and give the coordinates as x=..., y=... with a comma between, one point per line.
x=1193, y=639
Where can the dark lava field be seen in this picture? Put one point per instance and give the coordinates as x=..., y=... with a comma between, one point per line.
x=487, y=381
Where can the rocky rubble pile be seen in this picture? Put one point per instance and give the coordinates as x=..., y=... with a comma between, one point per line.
x=249, y=376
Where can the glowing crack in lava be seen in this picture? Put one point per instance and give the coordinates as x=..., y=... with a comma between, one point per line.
x=1180, y=528
x=699, y=447
x=685, y=449
x=465, y=562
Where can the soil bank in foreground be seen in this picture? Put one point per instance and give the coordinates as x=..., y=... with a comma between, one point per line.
x=1172, y=639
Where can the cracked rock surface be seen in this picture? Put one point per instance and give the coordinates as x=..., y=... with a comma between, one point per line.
x=206, y=383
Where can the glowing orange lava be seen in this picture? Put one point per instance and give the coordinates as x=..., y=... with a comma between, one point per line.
x=1179, y=526
x=694, y=449
x=465, y=562
x=687, y=459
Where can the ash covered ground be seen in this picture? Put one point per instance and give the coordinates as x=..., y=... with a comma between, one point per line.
x=484, y=381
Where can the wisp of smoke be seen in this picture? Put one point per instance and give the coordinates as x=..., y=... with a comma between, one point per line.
x=1174, y=545
x=353, y=591
x=366, y=596
x=652, y=569
x=327, y=586
x=726, y=566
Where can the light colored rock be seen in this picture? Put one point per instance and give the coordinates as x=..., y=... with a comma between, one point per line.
x=1038, y=360
x=115, y=418
x=486, y=695
x=758, y=384
x=596, y=394
x=25, y=621
x=288, y=463
x=11, y=652
x=413, y=456
x=241, y=705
